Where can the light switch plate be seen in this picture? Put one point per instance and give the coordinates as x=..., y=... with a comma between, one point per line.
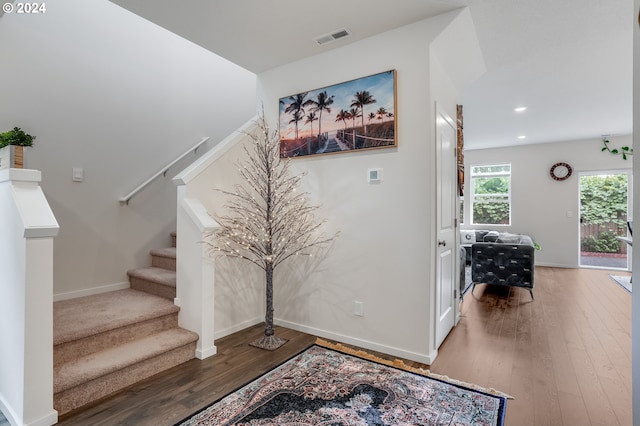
x=78, y=174
x=358, y=308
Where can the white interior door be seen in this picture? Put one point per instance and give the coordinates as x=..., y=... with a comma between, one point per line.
x=446, y=165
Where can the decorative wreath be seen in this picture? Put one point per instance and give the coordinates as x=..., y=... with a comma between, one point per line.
x=560, y=171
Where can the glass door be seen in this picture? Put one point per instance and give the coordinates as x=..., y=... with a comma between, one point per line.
x=604, y=211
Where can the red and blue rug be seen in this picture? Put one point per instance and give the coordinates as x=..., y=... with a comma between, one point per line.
x=322, y=386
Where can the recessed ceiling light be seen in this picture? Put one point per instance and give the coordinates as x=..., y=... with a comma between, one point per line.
x=522, y=137
x=520, y=109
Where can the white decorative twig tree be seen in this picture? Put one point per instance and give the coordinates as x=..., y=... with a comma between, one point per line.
x=268, y=220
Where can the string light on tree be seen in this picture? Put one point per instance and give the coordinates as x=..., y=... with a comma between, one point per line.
x=267, y=220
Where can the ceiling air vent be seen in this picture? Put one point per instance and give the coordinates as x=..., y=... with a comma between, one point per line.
x=333, y=36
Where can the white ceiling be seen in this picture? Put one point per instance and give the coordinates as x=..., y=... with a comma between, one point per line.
x=569, y=61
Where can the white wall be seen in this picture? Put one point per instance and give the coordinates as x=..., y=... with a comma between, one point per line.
x=108, y=91
x=543, y=208
x=383, y=256
x=636, y=203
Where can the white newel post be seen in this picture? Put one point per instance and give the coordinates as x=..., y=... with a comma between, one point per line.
x=26, y=305
x=195, y=272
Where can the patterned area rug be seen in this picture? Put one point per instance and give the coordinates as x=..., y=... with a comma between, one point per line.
x=322, y=386
x=623, y=280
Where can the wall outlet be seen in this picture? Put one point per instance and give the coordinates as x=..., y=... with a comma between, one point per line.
x=358, y=308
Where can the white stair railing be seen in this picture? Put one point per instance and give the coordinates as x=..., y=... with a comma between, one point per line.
x=162, y=172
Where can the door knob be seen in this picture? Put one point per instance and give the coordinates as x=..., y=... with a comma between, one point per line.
x=442, y=243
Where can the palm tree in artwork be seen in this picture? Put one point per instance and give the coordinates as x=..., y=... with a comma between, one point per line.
x=343, y=116
x=361, y=99
x=296, y=107
x=371, y=116
x=353, y=114
x=322, y=103
x=381, y=113
x=297, y=116
x=389, y=115
x=310, y=118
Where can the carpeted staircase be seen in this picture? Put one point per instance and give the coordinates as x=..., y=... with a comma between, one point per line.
x=106, y=342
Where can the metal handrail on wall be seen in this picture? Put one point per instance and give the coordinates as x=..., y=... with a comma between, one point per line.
x=163, y=172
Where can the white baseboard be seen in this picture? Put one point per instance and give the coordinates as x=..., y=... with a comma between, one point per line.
x=237, y=327
x=90, y=291
x=389, y=350
x=206, y=353
x=49, y=419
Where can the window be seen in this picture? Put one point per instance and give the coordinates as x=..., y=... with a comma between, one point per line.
x=491, y=194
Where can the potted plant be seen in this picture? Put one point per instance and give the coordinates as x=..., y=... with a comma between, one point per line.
x=12, y=145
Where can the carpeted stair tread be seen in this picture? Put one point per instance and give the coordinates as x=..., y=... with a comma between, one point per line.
x=154, y=274
x=164, y=258
x=168, y=252
x=90, y=315
x=102, y=363
x=106, y=342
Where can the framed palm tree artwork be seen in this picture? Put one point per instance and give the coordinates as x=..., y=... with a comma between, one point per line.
x=355, y=115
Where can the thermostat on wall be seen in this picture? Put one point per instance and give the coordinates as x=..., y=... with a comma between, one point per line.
x=374, y=175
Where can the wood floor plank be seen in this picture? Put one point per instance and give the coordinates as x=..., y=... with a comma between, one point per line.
x=521, y=411
x=565, y=357
x=545, y=388
x=596, y=401
x=573, y=410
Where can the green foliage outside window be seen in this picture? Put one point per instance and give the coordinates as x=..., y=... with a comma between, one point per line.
x=605, y=243
x=604, y=204
x=491, y=203
x=604, y=199
x=491, y=213
x=494, y=185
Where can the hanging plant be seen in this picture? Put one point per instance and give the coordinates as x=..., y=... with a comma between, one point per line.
x=624, y=151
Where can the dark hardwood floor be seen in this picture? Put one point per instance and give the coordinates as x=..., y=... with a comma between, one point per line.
x=565, y=357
